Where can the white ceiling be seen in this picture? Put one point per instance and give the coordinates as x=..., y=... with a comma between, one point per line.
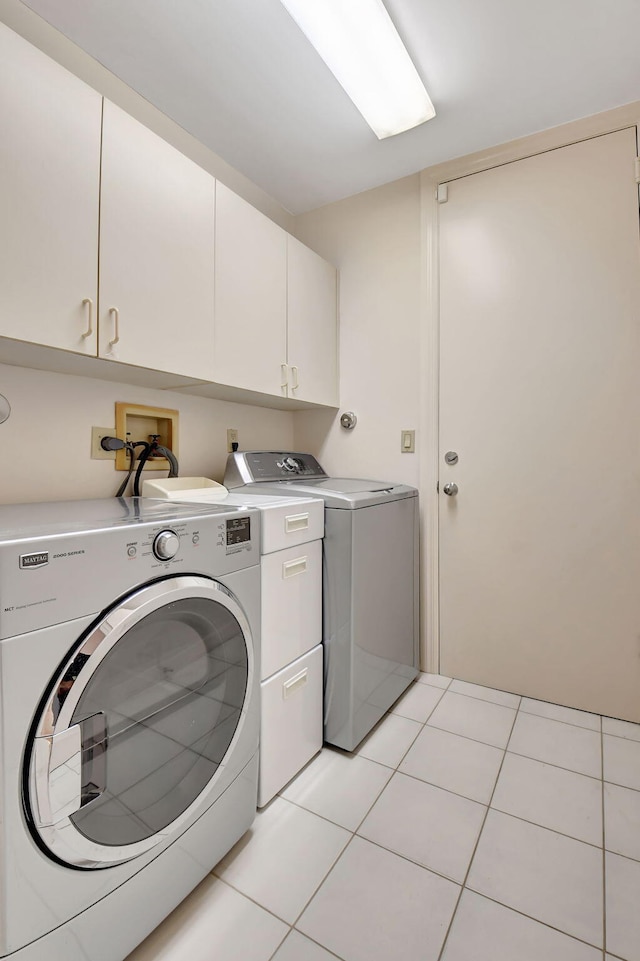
x=241, y=77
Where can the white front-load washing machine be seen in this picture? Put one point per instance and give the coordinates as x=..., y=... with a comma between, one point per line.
x=129, y=713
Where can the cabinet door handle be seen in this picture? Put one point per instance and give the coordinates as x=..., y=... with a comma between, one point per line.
x=291, y=568
x=294, y=683
x=295, y=522
x=294, y=374
x=88, y=302
x=284, y=376
x=116, y=321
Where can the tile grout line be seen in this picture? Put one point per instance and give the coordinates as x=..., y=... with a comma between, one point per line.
x=313, y=941
x=395, y=770
x=571, y=770
x=475, y=740
x=530, y=917
x=290, y=925
x=621, y=737
x=515, y=910
x=529, y=757
x=463, y=886
x=625, y=857
x=415, y=738
x=522, y=697
x=465, y=736
x=475, y=847
x=438, y=687
x=544, y=827
x=248, y=897
x=464, y=797
x=353, y=833
x=325, y=878
x=581, y=727
x=480, y=894
x=485, y=700
x=444, y=877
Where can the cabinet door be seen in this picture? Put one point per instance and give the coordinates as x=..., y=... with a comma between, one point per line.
x=312, y=326
x=251, y=270
x=156, y=252
x=49, y=189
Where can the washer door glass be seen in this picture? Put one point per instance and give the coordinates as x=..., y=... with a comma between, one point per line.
x=142, y=721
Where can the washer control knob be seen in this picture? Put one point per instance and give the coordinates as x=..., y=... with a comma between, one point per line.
x=165, y=545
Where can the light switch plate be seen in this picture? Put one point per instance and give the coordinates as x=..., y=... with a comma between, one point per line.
x=408, y=441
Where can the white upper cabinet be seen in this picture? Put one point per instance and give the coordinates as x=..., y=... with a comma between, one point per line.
x=156, y=252
x=49, y=189
x=312, y=332
x=115, y=245
x=275, y=316
x=251, y=297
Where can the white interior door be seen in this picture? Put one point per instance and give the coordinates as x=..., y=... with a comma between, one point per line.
x=540, y=398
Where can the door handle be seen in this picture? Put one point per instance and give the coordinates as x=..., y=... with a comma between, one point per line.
x=115, y=313
x=450, y=489
x=87, y=302
x=70, y=769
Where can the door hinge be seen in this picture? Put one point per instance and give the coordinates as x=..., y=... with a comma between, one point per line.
x=638, y=170
x=437, y=487
x=442, y=193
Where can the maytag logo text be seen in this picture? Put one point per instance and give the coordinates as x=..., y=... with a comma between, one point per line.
x=34, y=560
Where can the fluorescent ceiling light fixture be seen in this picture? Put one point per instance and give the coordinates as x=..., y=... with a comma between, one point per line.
x=359, y=43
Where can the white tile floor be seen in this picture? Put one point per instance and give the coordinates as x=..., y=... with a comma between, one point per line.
x=471, y=825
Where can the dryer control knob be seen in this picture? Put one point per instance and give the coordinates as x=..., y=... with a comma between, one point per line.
x=166, y=545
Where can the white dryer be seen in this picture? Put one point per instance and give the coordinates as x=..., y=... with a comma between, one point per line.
x=291, y=672
x=129, y=715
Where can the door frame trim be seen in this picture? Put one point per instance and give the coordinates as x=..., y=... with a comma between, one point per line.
x=609, y=121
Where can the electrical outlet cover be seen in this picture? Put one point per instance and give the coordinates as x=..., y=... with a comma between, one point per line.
x=97, y=433
x=232, y=438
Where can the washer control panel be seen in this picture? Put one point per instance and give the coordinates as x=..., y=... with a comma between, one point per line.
x=269, y=465
x=51, y=573
x=238, y=531
x=166, y=545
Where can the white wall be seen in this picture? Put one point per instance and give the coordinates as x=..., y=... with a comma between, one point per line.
x=46, y=441
x=374, y=239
